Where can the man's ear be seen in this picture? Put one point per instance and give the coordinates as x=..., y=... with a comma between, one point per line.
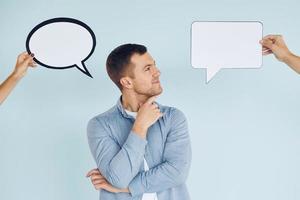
x=126, y=82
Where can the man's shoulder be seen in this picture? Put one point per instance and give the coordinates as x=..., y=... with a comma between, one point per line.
x=107, y=115
x=171, y=112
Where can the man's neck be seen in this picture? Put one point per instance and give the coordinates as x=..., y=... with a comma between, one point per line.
x=131, y=102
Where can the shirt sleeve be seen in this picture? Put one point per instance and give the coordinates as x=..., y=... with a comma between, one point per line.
x=174, y=169
x=119, y=165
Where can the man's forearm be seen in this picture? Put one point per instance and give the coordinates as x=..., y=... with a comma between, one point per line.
x=163, y=173
x=117, y=164
x=159, y=178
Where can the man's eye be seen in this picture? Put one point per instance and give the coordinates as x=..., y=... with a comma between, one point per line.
x=147, y=69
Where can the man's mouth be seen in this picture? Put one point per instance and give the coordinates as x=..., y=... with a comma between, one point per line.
x=155, y=81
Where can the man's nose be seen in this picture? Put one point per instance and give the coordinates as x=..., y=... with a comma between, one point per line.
x=156, y=72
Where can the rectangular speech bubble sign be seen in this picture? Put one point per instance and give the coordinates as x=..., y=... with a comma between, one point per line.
x=217, y=45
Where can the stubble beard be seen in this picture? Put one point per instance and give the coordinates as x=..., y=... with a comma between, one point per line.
x=151, y=92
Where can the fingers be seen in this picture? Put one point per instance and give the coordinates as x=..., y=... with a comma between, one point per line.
x=99, y=186
x=154, y=106
x=267, y=43
x=157, y=110
x=32, y=64
x=151, y=100
x=93, y=171
x=265, y=48
x=96, y=177
x=26, y=60
x=272, y=37
x=23, y=55
x=267, y=52
x=29, y=61
x=98, y=181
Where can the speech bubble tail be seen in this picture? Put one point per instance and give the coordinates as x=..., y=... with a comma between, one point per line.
x=81, y=66
x=211, y=72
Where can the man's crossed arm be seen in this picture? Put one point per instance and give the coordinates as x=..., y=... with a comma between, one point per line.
x=171, y=172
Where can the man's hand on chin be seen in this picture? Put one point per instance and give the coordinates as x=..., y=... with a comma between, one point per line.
x=100, y=182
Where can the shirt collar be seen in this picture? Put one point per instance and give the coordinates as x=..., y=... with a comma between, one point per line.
x=122, y=110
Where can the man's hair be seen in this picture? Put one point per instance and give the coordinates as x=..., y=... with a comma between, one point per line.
x=118, y=61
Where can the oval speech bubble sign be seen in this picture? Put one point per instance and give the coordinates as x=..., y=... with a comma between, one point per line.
x=62, y=43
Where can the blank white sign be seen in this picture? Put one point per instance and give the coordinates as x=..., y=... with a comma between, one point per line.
x=217, y=45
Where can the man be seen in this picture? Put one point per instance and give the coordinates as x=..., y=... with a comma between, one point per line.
x=138, y=134
x=24, y=61
x=274, y=44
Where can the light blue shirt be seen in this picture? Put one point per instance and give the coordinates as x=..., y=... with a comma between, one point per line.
x=119, y=154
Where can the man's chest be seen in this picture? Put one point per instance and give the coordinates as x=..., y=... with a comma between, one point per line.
x=156, y=140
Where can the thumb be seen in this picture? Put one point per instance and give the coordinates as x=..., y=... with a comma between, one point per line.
x=151, y=99
x=28, y=60
x=91, y=172
x=267, y=43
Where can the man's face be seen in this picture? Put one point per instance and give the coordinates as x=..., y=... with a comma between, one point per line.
x=146, y=75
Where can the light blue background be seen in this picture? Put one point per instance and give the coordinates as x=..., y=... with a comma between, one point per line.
x=244, y=124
